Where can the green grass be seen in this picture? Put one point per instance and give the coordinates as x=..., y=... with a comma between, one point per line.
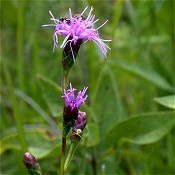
x=130, y=106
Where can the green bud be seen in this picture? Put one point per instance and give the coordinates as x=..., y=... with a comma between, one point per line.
x=70, y=53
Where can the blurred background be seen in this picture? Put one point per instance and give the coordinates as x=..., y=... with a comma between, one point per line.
x=130, y=107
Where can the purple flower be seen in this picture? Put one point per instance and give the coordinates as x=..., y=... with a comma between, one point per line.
x=29, y=160
x=81, y=121
x=77, y=28
x=79, y=126
x=70, y=99
x=73, y=104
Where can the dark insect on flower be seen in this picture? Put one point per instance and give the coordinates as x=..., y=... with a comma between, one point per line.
x=79, y=16
x=67, y=20
x=78, y=28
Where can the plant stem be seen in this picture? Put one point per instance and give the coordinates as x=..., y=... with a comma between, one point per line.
x=63, y=155
x=19, y=44
x=65, y=80
x=72, y=150
x=69, y=157
x=16, y=112
x=64, y=86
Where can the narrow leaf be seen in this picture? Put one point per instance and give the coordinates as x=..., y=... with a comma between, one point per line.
x=36, y=106
x=145, y=73
x=51, y=93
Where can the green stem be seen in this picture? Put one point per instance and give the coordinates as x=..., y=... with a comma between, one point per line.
x=171, y=149
x=65, y=80
x=15, y=109
x=71, y=152
x=64, y=86
x=63, y=155
x=20, y=49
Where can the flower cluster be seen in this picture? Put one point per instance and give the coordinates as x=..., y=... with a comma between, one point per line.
x=73, y=104
x=72, y=117
x=70, y=99
x=77, y=29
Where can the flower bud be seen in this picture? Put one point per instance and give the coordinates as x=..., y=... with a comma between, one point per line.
x=31, y=164
x=70, y=53
x=81, y=121
x=78, y=127
x=70, y=114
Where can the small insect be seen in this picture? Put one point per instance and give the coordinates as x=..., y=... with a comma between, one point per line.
x=79, y=16
x=76, y=133
x=61, y=19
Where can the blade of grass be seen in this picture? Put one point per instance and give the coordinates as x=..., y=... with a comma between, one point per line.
x=97, y=86
x=35, y=106
x=16, y=112
x=170, y=145
x=116, y=17
x=121, y=110
x=19, y=43
x=143, y=72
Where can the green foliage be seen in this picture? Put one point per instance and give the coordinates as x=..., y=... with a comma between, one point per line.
x=93, y=135
x=131, y=100
x=145, y=73
x=142, y=129
x=35, y=135
x=50, y=92
x=168, y=101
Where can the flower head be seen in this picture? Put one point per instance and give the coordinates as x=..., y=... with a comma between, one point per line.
x=72, y=103
x=70, y=99
x=77, y=29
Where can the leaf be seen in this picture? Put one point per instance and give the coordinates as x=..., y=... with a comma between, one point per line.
x=142, y=129
x=41, y=142
x=36, y=106
x=52, y=95
x=166, y=15
x=106, y=103
x=167, y=101
x=147, y=74
x=106, y=100
x=93, y=135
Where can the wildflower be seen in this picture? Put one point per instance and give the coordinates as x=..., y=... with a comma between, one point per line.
x=73, y=104
x=81, y=121
x=77, y=29
x=78, y=127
